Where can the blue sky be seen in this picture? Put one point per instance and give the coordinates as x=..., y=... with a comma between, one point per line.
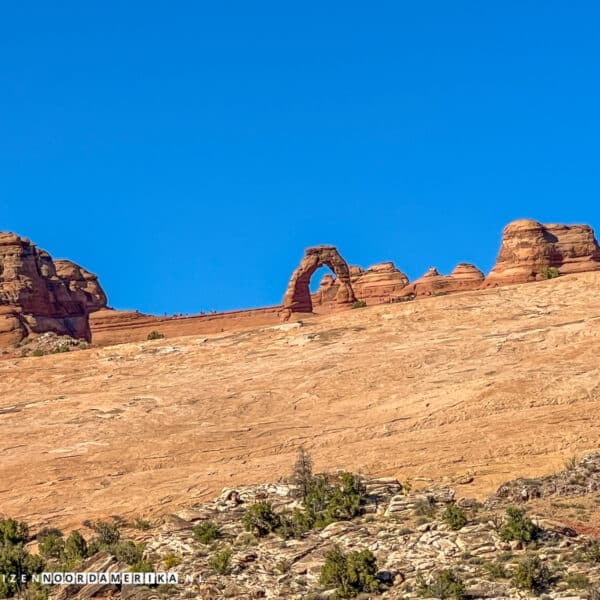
x=188, y=152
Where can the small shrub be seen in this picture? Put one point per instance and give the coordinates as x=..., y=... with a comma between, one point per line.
x=495, y=570
x=260, y=519
x=351, y=573
x=141, y=524
x=171, y=560
x=577, y=581
x=13, y=532
x=220, y=561
x=455, y=517
x=591, y=552
x=155, y=335
x=444, y=585
x=532, y=574
x=127, y=551
x=142, y=566
x=107, y=534
x=549, y=272
x=570, y=463
x=359, y=304
x=38, y=352
x=51, y=546
x=206, y=532
x=518, y=527
x=426, y=508
x=75, y=547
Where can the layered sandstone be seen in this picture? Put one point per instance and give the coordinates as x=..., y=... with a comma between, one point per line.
x=465, y=277
x=529, y=248
x=297, y=297
x=37, y=297
x=376, y=285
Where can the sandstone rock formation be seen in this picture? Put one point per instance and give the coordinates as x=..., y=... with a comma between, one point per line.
x=36, y=296
x=529, y=246
x=376, y=285
x=463, y=278
x=297, y=297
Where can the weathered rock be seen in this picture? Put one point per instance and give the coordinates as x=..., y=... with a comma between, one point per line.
x=529, y=246
x=464, y=277
x=36, y=297
x=297, y=297
x=376, y=285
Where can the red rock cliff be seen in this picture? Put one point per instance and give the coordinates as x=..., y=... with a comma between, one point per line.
x=37, y=295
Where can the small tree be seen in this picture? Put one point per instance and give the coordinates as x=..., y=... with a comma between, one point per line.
x=455, y=517
x=446, y=584
x=261, y=519
x=303, y=472
x=518, y=527
x=350, y=573
x=75, y=547
x=532, y=574
x=206, y=532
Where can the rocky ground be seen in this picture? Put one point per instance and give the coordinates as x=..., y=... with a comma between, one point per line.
x=405, y=530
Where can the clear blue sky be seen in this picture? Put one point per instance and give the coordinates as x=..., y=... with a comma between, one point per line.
x=188, y=152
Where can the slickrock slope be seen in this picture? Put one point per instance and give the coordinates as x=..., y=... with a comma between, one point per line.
x=37, y=295
x=528, y=246
x=376, y=285
x=476, y=386
x=463, y=278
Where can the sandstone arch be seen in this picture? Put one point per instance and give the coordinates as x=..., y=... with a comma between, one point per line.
x=297, y=297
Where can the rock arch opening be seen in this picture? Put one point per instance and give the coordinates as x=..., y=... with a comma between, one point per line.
x=297, y=297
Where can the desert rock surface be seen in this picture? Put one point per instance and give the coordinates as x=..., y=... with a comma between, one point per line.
x=475, y=387
x=528, y=247
x=39, y=295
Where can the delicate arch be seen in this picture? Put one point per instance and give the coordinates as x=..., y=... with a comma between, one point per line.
x=297, y=297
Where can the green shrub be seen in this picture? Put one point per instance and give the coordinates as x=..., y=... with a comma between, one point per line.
x=13, y=532
x=260, y=519
x=75, y=547
x=220, y=561
x=171, y=560
x=577, y=581
x=107, y=534
x=51, y=546
x=446, y=584
x=127, y=551
x=141, y=524
x=532, y=574
x=155, y=335
x=455, y=517
x=326, y=503
x=359, y=304
x=495, y=570
x=351, y=573
x=549, y=272
x=518, y=527
x=38, y=352
x=142, y=566
x=206, y=532
x=16, y=559
x=591, y=553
